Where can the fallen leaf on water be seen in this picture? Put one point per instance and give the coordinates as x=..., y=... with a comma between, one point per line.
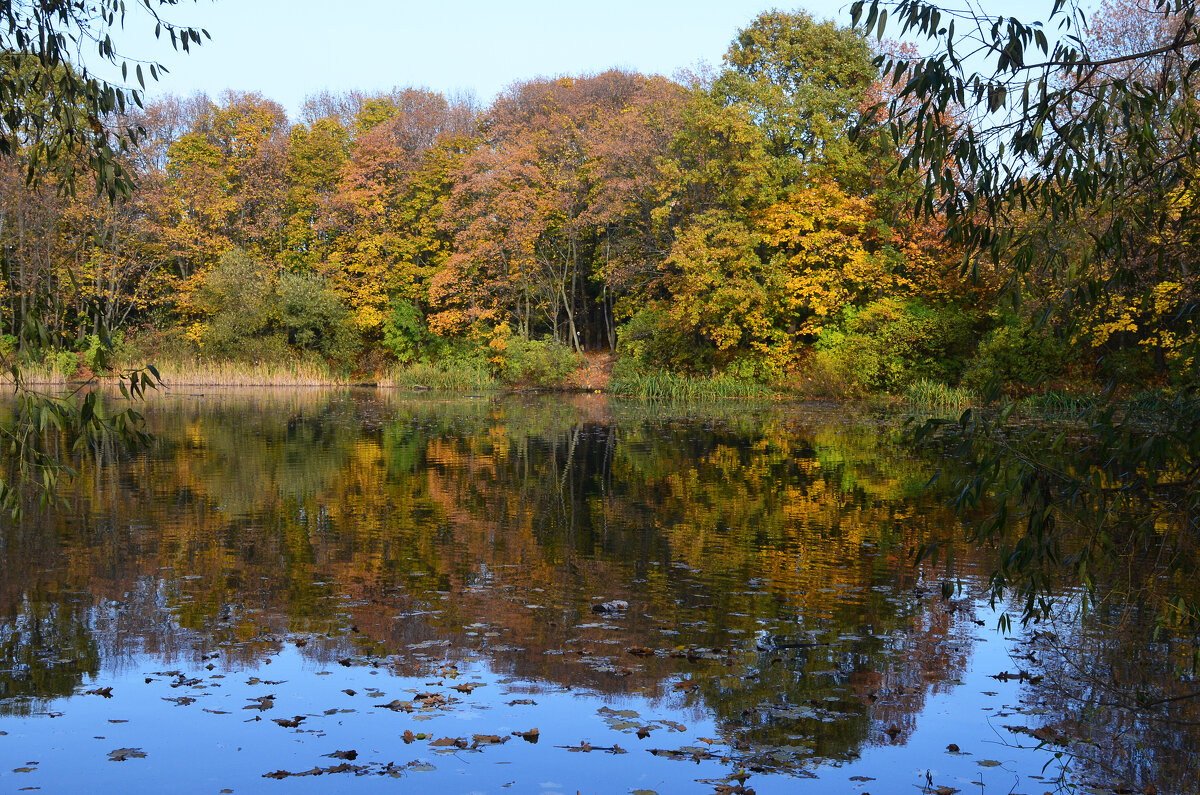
x=347, y=755
x=447, y=742
x=408, y=736
x=181, y=701
x=952, y=748
x=292, y=723
x=528, y=701
x=693, y=753
x=121, y=754
x=467, y=687
x=344, y=767
x=530, y=736
x=348, y=691
x=643, y=732
x=106, y=692
x=640, y=651
x=262, y=703
x=489, y=739
x=861, y=778
x=987, y=763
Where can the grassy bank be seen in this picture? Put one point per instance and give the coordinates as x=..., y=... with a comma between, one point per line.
x=608, y=374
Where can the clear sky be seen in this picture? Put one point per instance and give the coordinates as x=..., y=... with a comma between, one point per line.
x=288, y=49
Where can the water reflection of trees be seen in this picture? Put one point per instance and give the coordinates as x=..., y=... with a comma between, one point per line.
x=46, y=649
x=1120, y=698
x=776, y=545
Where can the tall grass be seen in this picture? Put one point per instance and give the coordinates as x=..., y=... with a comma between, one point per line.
x=232, y=373
x=937, y=396
x=39, y=373
x=664, y=385
x=445, y=376
x=1056, y=402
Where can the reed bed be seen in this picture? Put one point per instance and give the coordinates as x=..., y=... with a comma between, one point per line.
x=662, y=385
x=1056, y=402
x=232, y=373
x=443, y=377
x=938, y=396
x=40, y=373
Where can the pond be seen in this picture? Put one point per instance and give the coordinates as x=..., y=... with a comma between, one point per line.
x=315, y=591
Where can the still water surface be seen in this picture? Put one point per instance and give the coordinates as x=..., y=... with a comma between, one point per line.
x=320, y=591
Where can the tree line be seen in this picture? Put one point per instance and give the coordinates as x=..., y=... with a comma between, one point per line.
x=750, y=221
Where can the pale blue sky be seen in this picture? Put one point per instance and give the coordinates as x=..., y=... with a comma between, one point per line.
x=288, y=49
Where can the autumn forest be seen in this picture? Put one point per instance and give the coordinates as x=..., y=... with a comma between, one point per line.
x=745, y=225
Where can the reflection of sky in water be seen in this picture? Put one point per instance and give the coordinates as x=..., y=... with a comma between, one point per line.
x=191, y=750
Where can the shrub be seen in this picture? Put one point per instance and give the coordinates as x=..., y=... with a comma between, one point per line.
x=542, y=363
x=890, y=343
x=97, y=353
x=1017, y=354
x=405, y=333
x=314, y=318
x=64, y=363
x=650, y=338
x=238, y=297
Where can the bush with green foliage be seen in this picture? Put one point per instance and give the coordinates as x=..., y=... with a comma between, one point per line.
x=890, y=343
x=314, y=318
x=541, y=363
x=406, y=335
x=239, y=298
x=650, y=339
x=97, y=353
x=1018, y=354
x=64, y=363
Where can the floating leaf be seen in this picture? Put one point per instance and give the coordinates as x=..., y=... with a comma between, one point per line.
x=530, y=736
x=122, y=754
